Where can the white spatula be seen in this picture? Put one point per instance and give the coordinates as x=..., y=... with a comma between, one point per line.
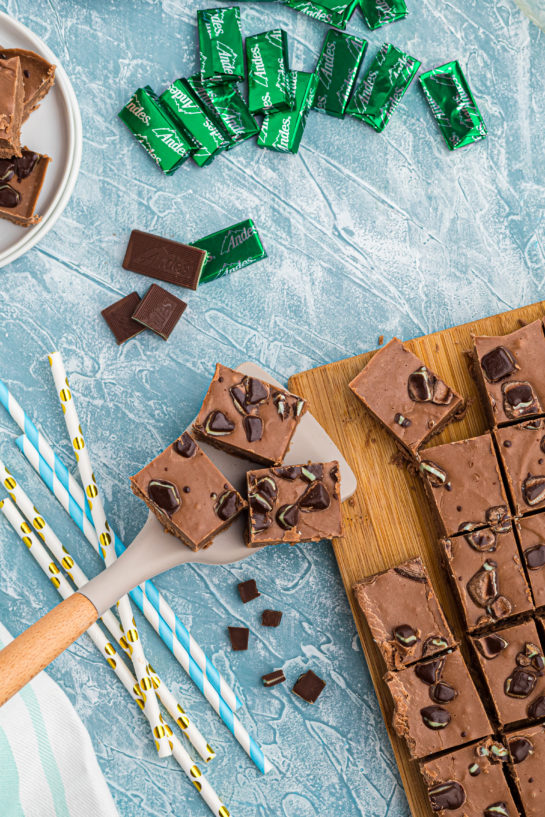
x=152, y=552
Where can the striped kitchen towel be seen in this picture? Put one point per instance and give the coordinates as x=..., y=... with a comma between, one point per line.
x=48, y=767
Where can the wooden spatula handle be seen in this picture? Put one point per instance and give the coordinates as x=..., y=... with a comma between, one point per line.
x=36, y=647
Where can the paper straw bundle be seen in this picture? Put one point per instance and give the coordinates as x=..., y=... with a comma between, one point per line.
x=191, y=770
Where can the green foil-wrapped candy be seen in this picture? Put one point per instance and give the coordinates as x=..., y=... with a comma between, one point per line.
x=186, y=111
x=336, y=71
x=453, y=105
x=156, y=132
x=332, y=12
x=220, y=44
x=283, y=130
x=227, y=109
x=377, y=13
x=268, y=68
x=381, y=89
x=229, y=250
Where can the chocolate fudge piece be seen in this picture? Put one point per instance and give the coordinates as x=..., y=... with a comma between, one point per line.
x=487, y=574
x=508, y=371
x=436, y=705
x=169, y=261
x=118, y=316
x=405, y=396
x=187, y=493
x=294, y=503
x=309, y=687
x=271, y=618
x=248, y=417
x=531, y=535
x=403, y=614
x=470, y=782
x=522, y=451
x=22, y=180
x=160, y=311
x=248, y=590
x=527, y=755
x=11, y=107
x=513, y=668
x=38, y=76
x=239, y=638
x=463, y=482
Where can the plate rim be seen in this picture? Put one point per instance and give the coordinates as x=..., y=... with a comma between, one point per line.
x=75, y=137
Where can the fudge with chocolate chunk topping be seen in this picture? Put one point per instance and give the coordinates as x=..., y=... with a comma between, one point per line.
x=294, y=503
x=187, y=493
x=23, y=177
x=531, y=535
x=522, y=451
x=527, y=756
x=508, y=373
x=406, y=397
x=11, y=108
x=403, y=614
x=247, y=417
x=38, y=76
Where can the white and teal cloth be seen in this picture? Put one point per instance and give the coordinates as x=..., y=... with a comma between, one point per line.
x=48, y=767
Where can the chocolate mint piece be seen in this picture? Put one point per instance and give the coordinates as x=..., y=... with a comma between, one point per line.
x=533, y=489
x=535, y=557
x=238, y=396
x=260, y=522
x=482, y=540
x=273, y=678
x=435, y=717
x=287, y=516
x=483, y=585
x=118, y=316
x=402, y=421
x=185, y=446
x=442, y=693
x=165, y=495
x=520, y=683
x=271, y=618
x=239, y=638
x=520, y=748
x=227, y=505
x=159, y=311
x=287, y=471
x=166, y=260
x=420, y=385
x=497, y=364
x=498, y=518
x=405, y=635
x=435, y=475
x=256, y=391
x=537, y=708
x=248, y=590
x=309, y=687
x=449, y=795
x=9, y=197
x=315, y=498
x=496, y=810
x=491, y=646
x=253, y=428
x=310, y=473
x=217, y=424
x=430, y=672
x=413, y=570
x=519, y=399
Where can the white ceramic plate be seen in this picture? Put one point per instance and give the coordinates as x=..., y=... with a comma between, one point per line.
x=54, y=129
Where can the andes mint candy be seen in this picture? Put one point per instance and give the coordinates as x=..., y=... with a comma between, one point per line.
x=405, y=635
x=482, y=540
x=420, y=385
x=482, y=588
x=185, y=446
x=402, y=421
x=253, y=428
x=279, y=401
x=449, y=796
x=500, y=607
x=312, y=472
x=435, y=717
x=164, y=494
x=497, y=364
x=442, y=693
x=535, y=557
x=430, y=672
x=520, y=683
x=533, y=490
x=24, y=164
x=520, y=749
x=496, y=810
x=519, y=399
x=7, y=169
x=9, y=197
x=256, y=391
x=412, y=570
x=287, y=516
x=217, y=424
x=238, y=396
x=497, y=517
x=315, y=498
x=474, y=769
x=260, y=521
x=434, y=474
x=287, y=471
x=490, y=646
x=263, y=494
x=433, y=644
x=537, y=708
x=227, y=505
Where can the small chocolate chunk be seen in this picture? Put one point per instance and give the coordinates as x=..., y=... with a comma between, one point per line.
x=273, y=678
x=500, y=608
x=248, y=590
x=165, y=495
x=497, y=364
x=287, y=471
x=449, y=796
x=482, y=540
x=238, y=396
x=260, y=522
x=405, y=635
x=271, y=618
x=533, y=489
x=7, y=169
x=430, y=672
x=279, y=401
x=498, y=518
x=520, y=683
x=442, y=693
x=537, y=708
x=435, y=717
x=159, y=311
x=535, y=557
x=413, y=570
x=433, y=644
x=482, y=588
x=520, y=748
x=309, y=687
x=435, y=475
x=228, y=505
x=312, y=472
x=118, y=316
x=315, y=498
x=420, y=385
x=217, y=424
x=491, y=645
x=239, y=638
x=402, y=421
x=519, y=399
x=497, y=810
x=256, y=391
x=287, y=516
x=25, y=164
x=253, y=428
x=185, y=446
x=9, y=197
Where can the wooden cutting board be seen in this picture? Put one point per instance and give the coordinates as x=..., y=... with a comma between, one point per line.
x=388, y=519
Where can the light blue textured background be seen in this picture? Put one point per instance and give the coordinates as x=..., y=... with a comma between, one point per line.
x=367, y=235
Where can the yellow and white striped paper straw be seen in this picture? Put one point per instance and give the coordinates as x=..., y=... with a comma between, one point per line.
x=63, y=557
x=192, y=771
x=105, y=539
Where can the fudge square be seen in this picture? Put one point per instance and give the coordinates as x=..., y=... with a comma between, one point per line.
x=470, y=782
x=463, y=482
x=294, y=503
x=248, y=417
x=187, y=493
x=487, y=575
x=527, y=756
x=531, y=535
x=436, y=705
x=408, y=399
x=512, y=664
x=403, y=614
x=11, y=107
x=522, y=451
x=508, y=370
